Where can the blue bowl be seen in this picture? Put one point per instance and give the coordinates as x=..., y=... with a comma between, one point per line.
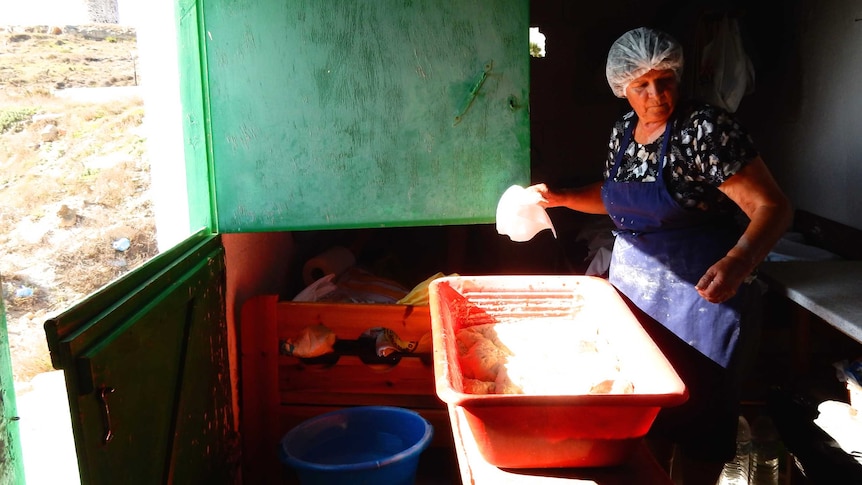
x=357, y=445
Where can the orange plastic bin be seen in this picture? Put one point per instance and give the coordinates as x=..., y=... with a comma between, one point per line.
x=551, y=429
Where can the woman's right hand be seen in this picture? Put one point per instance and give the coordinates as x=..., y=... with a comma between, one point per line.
x=546, y=197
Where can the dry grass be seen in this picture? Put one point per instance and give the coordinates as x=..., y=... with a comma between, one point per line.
x=74, y=180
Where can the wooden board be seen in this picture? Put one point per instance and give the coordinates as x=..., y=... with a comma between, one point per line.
x=409, y=382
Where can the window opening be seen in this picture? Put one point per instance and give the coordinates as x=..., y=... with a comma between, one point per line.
x=88, y=114
x=537, y=42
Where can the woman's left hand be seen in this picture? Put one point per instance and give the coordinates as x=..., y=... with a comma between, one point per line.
x=755, y=191
x=723, y=278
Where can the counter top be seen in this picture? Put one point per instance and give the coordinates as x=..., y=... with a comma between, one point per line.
x=832, y=290
x=642, y=468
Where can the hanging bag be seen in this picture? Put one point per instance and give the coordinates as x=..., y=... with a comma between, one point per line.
x=726, y=72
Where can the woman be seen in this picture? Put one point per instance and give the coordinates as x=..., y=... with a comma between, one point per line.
x=696, y=210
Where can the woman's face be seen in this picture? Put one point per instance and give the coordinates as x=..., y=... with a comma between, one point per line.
x=653, y=96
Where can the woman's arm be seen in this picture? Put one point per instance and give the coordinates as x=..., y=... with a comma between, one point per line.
x=587, y=199
x=770, y=213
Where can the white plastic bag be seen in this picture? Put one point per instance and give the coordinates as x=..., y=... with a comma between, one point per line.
x=520, y=216
x=726, y=72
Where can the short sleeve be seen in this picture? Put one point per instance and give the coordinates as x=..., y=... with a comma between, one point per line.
x=715, y=146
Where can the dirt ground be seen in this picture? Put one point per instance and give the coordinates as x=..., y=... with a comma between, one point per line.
x=75, y=210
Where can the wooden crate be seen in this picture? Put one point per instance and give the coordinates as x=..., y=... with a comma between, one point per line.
x=280, y=391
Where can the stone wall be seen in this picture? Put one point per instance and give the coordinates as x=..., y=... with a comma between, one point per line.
x=103, y=11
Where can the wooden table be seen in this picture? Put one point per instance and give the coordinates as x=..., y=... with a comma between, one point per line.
x=641, y=469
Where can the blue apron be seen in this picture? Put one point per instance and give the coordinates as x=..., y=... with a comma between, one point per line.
x=662, y=250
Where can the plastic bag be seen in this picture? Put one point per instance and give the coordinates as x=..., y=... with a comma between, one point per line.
x=312, y=341
x=418, y=296
x=726, y=72
x=849, y=371
x=317, y=290
x=387, y=342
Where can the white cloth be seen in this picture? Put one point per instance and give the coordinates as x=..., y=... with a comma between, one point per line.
x=520, y=216
x=838, y=420
x=600, y=263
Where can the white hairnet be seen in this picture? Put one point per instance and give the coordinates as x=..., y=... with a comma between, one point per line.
x=639, y=51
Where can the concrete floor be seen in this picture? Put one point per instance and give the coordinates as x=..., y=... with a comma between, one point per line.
x=47, y=444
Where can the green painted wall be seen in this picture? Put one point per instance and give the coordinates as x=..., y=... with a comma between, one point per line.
x=336, y=113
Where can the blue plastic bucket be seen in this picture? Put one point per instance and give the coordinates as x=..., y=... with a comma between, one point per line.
x=357, y=445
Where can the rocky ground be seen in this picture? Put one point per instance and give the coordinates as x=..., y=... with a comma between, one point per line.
x=75, y=210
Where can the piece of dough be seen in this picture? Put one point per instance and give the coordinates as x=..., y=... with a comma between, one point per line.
x=549, y=356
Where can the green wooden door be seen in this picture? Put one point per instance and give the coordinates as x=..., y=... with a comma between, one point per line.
x=147, y=372
x=192, y=90
x=365, y=113
x=11, y=461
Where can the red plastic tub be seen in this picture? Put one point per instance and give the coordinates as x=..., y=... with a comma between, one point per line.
x=559, y=428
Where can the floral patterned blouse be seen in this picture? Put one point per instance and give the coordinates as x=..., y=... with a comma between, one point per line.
x=707, y=146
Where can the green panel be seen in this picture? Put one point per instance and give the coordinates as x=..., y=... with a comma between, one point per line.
x=330, y=114
x=192, y=99
x=209, y=449
x=73, y=329
x=11, y=460
x=141, y=363
x=158, y=338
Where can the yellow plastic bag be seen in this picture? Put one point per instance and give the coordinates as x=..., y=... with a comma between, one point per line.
x=418, y=296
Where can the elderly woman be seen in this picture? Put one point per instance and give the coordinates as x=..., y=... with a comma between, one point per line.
x=696, y=210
